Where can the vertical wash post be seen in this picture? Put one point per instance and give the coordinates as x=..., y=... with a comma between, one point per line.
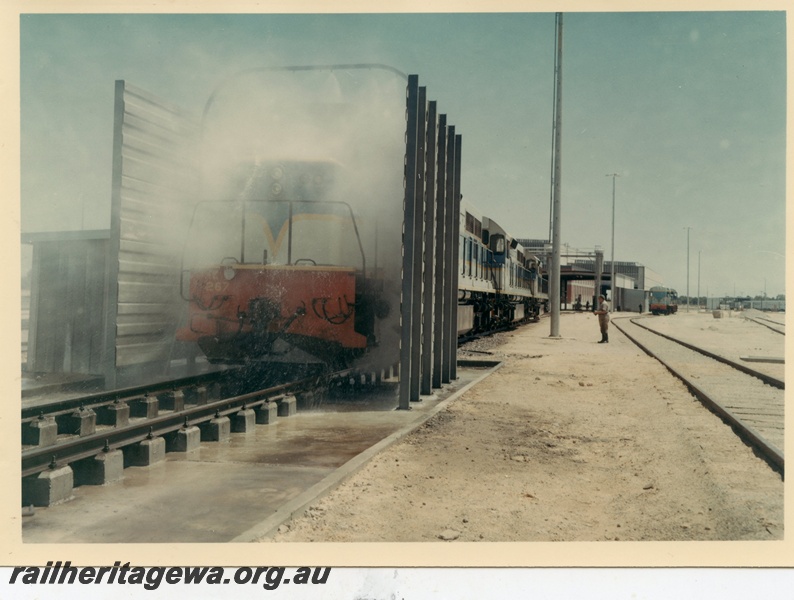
x=450, y=263
x=429, y=291
x=418, y=256
x=453, y=338
x=441, y=210
x=409, y=213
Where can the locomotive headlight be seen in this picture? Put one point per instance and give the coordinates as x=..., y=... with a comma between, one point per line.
x=277, y=173
x=276, y=189
x=228, y=268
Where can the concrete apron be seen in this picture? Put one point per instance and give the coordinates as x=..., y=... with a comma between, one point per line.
x=243, y=487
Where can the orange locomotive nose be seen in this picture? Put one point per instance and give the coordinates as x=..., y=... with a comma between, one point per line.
x=309, y=307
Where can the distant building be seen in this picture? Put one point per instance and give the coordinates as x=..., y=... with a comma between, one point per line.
x=632, y=280
x=537, y=247
x=643, y=277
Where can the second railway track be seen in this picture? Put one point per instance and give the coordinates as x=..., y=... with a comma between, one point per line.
x=752, y=403
x=772, y=324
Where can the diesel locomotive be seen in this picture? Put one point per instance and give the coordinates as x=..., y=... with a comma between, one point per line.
x=293, y=283
x=292, y=257
x=290, y=279
x=500, y=283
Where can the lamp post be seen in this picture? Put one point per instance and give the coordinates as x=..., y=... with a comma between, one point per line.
x=554, y=281
x=687, y=268
x=612, y=285
x=699, y=251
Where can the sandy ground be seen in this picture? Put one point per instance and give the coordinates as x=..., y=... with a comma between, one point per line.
x=569, y=441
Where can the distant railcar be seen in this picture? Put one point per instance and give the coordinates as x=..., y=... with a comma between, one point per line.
x=663, y=300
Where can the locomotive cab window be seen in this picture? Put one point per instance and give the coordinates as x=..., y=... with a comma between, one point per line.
x=498, y=244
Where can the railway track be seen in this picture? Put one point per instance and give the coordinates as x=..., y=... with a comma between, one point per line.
x=751, y=402
x=74, y=431
x=256, y=478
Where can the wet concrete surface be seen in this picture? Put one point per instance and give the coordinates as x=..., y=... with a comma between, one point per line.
x=221, y=490
x=41, y=388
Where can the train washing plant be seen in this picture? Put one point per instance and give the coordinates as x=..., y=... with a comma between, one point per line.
x=298, y=257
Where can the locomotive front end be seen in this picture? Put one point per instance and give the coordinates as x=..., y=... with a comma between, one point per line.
x=240, y=313
x=307, y=295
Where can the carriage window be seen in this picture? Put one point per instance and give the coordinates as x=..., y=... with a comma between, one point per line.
x=463, y=248
x=461, y=252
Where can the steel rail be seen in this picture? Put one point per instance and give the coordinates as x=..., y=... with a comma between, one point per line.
x=769, y=451
x=758, y=322
x=32, y=410
x=41, y=458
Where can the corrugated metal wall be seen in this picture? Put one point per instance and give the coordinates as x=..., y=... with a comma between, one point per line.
x=154, y=179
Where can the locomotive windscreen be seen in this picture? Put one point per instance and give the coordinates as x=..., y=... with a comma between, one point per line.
x=279, y=213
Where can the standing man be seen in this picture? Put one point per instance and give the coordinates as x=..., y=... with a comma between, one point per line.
x=603, y=319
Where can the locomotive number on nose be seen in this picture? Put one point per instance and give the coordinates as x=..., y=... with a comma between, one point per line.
x=216, y=286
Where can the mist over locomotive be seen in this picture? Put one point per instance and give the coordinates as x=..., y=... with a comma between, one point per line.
x=294, y=253
x=292, y=281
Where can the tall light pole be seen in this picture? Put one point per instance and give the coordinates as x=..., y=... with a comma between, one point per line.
x=699, y=251
x=554, y=282
x=687, y=268
x=612, y=285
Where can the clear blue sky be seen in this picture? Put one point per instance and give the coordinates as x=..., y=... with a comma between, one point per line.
x=689, y=108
